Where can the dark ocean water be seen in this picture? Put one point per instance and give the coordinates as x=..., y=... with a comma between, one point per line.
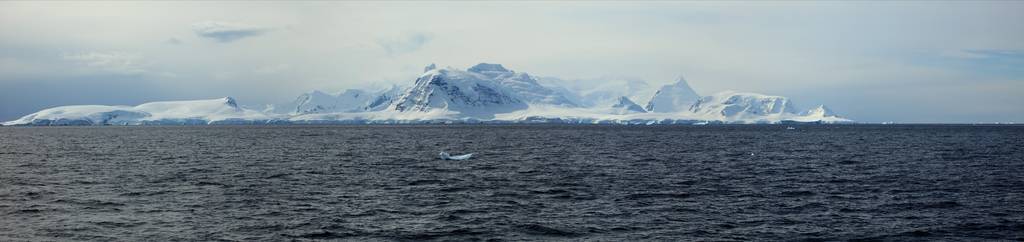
x=609, y=183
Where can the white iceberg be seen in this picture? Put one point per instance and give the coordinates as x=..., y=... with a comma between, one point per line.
x=446, y=156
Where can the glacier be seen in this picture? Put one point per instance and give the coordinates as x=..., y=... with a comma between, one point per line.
x=483, y=93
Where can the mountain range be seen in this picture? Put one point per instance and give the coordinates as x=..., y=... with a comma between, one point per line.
x=484, y=93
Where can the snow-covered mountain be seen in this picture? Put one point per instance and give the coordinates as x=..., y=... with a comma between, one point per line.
x=482, y=93
x=469, y=93
x=740, y=105
x=673, y=98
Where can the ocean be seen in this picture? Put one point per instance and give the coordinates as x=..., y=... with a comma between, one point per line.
x=524, y=182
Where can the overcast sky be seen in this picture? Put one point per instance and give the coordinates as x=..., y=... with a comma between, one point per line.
x=870, y=61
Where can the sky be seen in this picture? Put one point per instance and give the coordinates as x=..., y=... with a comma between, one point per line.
x=924, y=62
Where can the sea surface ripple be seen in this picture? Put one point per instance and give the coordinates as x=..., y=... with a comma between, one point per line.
x=525, y=182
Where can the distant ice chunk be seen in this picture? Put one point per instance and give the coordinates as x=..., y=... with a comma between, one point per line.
x=446, y=156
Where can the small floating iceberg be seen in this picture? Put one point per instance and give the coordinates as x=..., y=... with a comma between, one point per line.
x=446, y=156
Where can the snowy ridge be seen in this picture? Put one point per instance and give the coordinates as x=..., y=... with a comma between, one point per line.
x=348, y=101
x=351, y=100
x=484, y=93
x=738, y=106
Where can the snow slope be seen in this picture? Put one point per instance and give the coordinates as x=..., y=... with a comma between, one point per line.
x=351, y=100
x=735, y=106
x=521, y=85
x=469, y=93
x=211, y=111
x=348, y=101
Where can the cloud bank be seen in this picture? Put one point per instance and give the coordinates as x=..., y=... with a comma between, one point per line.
x=226, y=31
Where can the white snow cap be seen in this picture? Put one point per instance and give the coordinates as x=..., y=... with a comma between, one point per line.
x=489, y=70
x=230, y=101
x=486, y=67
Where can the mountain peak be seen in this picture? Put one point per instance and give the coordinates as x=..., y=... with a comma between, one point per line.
x=230, y=101
x=487, y=67
x=681, y=81
x=430, y=67
x=674, y=97
x=477, y=95
x=624, y=105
